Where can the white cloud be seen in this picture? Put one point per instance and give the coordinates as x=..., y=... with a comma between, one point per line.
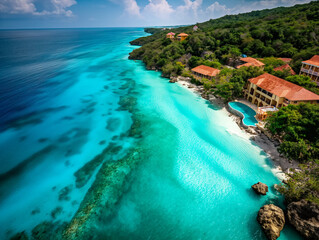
x=216, y=10
x=190, y=7
x=131, y=7
x=29, y=7
x=158, y=8
x=17, y=6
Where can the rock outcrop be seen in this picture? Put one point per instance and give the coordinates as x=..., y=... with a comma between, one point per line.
x=260, y=188
x=173, y=80
x=304, y=216
x=272, y=220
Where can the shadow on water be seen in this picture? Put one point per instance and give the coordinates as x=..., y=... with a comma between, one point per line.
x=67, y=144
x=32, y=118
x=213, y=106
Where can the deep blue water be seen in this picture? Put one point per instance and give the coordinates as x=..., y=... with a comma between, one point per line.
x=69, y=96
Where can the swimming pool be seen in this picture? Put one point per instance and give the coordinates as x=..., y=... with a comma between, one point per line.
x=247, y=112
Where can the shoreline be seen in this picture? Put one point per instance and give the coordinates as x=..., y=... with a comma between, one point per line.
x=281, y=165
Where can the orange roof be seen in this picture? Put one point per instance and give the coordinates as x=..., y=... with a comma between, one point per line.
x=283, y=67
x=286, y=60
x=207, y=71
x=171, y=33
x=313, y=61
x=182, y=35
x=250, y=62
x=283, y=88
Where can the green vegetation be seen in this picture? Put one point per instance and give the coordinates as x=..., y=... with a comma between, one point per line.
x=297, y=127
x=282, y=32
x=303, y=184
x=229, y=83
x=305, y=82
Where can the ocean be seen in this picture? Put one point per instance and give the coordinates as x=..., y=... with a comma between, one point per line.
x=94, y=146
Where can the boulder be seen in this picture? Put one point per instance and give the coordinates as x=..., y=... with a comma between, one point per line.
x=276, y=187
x=173, y=80
x=272, y=220
x=260, y=188
x=304, y=216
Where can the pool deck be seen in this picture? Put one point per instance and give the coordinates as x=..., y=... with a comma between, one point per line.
x=249, y=104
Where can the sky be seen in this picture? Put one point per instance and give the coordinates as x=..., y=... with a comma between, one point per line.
x=123, y=13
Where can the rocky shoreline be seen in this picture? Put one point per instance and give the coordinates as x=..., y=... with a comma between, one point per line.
x=302, y=215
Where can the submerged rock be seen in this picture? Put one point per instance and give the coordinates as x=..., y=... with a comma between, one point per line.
x=64, y=193
x=260, y=188
x=304, y=216
x=110, y=183
x=85, y=173
x=47, y=231
x=20, y=236
x=272, y=220
x=55, y=212
x=35, y=211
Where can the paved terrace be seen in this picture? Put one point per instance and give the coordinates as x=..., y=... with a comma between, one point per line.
x=249, y=104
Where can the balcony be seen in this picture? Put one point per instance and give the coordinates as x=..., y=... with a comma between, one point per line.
x=304, y=70
x=311, y=72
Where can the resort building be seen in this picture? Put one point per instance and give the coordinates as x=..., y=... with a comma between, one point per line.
x=182, y=36
x=284, y=67
x=311, y=68
x=268, y=90
x=285, y=60
x=170, y=35
x=195, y=28
x=203, y=71
x=249, y=61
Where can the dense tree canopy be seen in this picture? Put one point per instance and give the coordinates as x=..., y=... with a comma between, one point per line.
x=297, y=126
x=282, y=32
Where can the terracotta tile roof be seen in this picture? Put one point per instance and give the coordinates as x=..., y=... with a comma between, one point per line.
x=182, y=35
x=250, y=62
x=283, y=67
x=171, y=33
x=245, y=65
x=286, y=60
x=207, y=71
x=283, y=88
x=313, y=61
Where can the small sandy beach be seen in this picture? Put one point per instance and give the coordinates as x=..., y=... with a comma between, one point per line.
x=269, y=146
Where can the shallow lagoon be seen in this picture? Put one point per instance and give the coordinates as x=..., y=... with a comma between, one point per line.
x=193, y=166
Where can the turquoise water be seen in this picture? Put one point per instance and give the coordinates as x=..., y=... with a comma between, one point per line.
x=248, y=113
x=117, y=151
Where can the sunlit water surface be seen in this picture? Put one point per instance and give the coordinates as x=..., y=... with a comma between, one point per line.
x=60, y=93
